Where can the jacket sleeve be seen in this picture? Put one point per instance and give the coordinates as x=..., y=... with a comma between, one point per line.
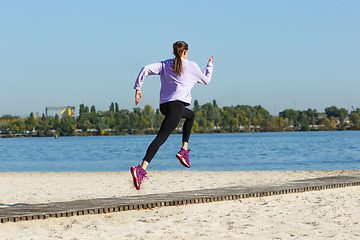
x=152, y=69
x=205, y=77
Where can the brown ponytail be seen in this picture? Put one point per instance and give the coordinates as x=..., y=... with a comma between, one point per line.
x=179, y=48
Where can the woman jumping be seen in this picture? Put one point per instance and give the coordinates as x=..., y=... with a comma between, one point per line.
x=178, y=75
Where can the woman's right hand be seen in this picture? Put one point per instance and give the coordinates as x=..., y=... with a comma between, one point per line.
x=211, y=60
x=137, y=97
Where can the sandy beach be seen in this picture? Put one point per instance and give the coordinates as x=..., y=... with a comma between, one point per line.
x=332, y=213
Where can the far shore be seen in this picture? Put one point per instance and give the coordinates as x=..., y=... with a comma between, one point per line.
x=141, y=132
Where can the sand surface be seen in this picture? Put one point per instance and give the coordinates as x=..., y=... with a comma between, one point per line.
x=333, y=213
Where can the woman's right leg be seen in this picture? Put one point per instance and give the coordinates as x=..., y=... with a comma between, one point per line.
x=189, y=115
x=183, y=154
x=173, y=112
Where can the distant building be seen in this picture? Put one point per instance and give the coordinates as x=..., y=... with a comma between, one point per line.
x=297, y=127
x=347, y=120
x=322, y=115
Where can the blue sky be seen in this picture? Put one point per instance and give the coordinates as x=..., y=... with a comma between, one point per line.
x=277, y=54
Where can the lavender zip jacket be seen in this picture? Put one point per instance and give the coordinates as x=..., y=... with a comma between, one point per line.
x=174, y=87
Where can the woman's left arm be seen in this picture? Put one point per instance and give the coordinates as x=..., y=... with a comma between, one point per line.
x=152, y=69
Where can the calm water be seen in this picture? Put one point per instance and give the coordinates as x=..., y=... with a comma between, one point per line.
x=210, y=152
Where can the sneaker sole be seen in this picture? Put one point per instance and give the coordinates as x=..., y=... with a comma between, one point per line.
x=182, y=161
x=134, y=175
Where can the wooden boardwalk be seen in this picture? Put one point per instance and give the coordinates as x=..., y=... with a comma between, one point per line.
x=107, y=205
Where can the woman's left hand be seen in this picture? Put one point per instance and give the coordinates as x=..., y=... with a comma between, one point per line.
x=137, y=97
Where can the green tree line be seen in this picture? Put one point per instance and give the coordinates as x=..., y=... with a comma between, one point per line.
x=209, y=118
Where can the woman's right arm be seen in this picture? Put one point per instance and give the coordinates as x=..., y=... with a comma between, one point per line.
x=205, y=77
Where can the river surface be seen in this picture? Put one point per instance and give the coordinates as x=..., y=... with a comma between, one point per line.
x=285, y=151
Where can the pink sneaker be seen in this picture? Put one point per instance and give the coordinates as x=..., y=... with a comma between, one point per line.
x=138, y=174
x=183, y=156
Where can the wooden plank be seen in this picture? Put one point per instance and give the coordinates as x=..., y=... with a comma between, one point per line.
x=109, y=205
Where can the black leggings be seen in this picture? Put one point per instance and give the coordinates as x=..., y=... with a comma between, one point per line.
x=173, y=112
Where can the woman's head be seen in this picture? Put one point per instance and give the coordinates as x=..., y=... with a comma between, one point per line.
x=180, y=49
